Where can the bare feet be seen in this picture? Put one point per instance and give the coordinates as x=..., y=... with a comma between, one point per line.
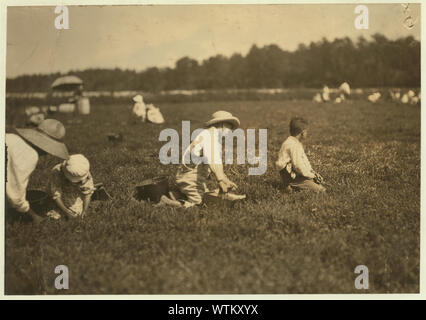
x=165, y=201
x=233, y=196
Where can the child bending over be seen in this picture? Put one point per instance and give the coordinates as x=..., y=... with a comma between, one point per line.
x=71, y=186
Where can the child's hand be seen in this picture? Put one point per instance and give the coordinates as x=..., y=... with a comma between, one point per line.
x=226, y=185
x=71, y=213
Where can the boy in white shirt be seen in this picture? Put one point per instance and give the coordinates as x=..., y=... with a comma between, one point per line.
x=295, y=170
x=191, y=178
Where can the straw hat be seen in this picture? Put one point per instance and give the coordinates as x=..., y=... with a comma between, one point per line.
x=47, y=136
x=76, y=168
x=138, y=98
x=223, y=116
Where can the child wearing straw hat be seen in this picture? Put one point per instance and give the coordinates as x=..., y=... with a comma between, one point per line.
x=295, y=170
x=191, y=178
x=71, y=186
x=22, y=154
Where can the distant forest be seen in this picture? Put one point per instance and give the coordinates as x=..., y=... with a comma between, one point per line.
x=378, y=62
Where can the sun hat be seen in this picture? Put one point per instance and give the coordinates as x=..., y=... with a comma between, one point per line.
x=138, y=98
x=76, y=168
x=223, y=116
x=47, y=136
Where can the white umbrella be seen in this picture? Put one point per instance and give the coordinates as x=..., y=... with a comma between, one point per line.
x=67, y=83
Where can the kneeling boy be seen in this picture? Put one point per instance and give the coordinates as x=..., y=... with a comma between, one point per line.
x=295, y=170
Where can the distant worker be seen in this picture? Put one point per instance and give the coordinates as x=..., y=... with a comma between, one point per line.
x=325, y=94
x=392, y=95
x=339, y=100
x=374, y=97
x=405, y=98
x=317, y=98
x=345, y=90
x=139, y=108
x=153, y=114
x=414, y=99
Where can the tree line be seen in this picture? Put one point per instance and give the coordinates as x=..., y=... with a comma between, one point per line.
x=378, y=62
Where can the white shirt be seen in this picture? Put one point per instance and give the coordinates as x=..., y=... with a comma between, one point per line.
x=326, y=93
x=292, y=156
x=345, y=88
x=206, y=148
x=139, y=109
x=21, y=162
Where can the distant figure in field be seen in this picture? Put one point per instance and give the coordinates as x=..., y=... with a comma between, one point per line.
x=413, y=99
x=398, y=95
x=71, y=187
x=317, y=98
x=153, y=114
x=344, y=90
x=392, y=95
x=418, y=98
x=23, y=152
x=295, y=170
x=374, y=97
x=325, y=94
x=139, y=108
x=405, y=98
x=146, y=112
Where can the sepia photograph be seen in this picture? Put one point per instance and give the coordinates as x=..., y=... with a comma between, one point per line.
x=212, y=149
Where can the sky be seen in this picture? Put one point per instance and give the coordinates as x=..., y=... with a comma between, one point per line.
x=138, y=37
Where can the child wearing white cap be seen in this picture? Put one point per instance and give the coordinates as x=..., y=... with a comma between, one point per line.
x=71, y=186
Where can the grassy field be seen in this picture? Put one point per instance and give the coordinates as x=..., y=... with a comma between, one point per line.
x=274, y=242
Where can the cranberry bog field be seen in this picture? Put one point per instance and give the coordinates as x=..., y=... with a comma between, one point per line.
x=272, y=243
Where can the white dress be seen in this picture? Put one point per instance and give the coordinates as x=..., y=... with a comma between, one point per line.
x=139, y=109
x=72, y=195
